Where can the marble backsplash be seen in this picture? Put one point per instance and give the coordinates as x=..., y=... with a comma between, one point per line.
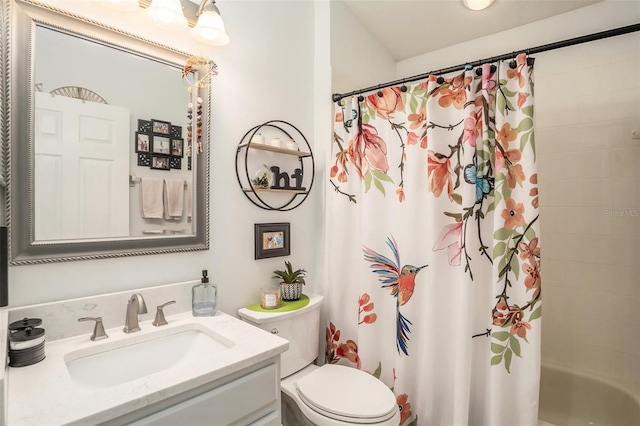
x=60, y=319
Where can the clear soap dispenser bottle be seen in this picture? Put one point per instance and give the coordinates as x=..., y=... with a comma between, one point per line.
x=204, y=297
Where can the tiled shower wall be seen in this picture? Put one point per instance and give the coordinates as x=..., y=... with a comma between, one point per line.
x=587, y=106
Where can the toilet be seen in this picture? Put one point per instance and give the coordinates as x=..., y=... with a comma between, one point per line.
x=327, y=395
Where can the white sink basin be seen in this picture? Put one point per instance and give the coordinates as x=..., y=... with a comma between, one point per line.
x=113, y=364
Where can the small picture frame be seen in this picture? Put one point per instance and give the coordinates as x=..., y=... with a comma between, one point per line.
x=176, y=131
x=144, y=159
x=175, y=162
x=177, y=147
x=160, y=162
x=143, y=142
x=272, y=239
x=161, y=127
x=160, y=145
x=144, y=126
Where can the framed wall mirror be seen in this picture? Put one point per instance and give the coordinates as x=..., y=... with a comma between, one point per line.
x=83, y=103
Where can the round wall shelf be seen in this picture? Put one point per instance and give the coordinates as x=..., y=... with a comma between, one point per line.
x=275, y=182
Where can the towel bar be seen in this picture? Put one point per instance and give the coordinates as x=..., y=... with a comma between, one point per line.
x=133, y=180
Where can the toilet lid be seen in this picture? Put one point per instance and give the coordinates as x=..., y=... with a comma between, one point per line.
x=345, y=393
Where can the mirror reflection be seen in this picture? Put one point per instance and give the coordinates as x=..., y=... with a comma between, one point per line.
x=110, y=142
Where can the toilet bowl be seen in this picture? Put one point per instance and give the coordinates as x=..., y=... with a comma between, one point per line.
x=329, y=395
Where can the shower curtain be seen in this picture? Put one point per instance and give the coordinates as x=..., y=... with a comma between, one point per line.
x=432, y=245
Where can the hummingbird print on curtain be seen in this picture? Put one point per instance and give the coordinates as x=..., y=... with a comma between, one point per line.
x=400, y=281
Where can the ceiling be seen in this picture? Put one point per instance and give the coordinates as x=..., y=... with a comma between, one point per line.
x=442, y=23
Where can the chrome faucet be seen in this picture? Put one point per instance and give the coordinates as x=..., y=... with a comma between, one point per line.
x=135, y=307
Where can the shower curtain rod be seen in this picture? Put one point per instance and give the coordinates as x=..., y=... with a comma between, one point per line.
x=543, y=48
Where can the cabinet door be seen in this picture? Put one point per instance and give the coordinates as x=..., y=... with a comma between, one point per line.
x=244, y=401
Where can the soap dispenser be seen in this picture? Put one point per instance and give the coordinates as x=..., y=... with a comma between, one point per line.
x=204, y=297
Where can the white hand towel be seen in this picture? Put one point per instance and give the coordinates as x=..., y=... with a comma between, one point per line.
x=173, y=198
x=151, y=197
x=188, y=200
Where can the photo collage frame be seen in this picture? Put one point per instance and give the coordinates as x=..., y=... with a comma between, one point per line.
x=159, y=145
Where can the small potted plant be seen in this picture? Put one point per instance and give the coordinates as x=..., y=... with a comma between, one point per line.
x=261, y=178
x=291, y=282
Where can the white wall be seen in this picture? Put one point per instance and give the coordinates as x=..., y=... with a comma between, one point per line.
x=587, y=104
x=266, y=72
x=357, y=59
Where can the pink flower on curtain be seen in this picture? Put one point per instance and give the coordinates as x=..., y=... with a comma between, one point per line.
x=529, y=250
x=400, y=194
x=532, y=269
x=506, y=134
x=451, y=239
x=449, y=97
x=367, y=149
x=471, y=130
x=515, y=176
x=418, y=122
x=349, y=350
x=522, y=99
x=440, y=173
x=405, y=407
x=520, y=328
x=366, y=306
x=340, y=167
x=521, y=60
x=386, y=104
x=513, y=214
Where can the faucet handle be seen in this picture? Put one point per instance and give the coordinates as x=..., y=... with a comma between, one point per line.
x=98, y=330
x=160, y=319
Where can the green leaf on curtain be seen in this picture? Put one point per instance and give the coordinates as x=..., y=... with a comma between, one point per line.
x=507, y=359
x=528, y=110
x=515, y=346
x=379, y=185
x=456, y=216
x=523, y=140
x=514, y=264
x=533, y=144
x=502, y=234
x=413, y=105
x=457, y=198
x=414, y=422
x=530, y=234
x=501, y=335
x=496, y=348
x=495, y=360
x=525, y=125
x=499, y=249
x=378, y=371
x=536, y=314
x=381, y=175
x=500, y=103
x=367, y=181
x=502, y=266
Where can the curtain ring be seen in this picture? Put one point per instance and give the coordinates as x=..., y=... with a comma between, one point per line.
x=440, y=78
x=360, y=98
x=513, y=64
x=379, y=92
x=403, y=88
x=479, y=70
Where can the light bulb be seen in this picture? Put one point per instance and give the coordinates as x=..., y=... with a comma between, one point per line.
x=167, y=14
x=477, y=4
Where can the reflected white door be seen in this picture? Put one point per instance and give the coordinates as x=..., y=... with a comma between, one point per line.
x=81, y=169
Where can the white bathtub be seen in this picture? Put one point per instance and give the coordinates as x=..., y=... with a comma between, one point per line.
x=569, y=398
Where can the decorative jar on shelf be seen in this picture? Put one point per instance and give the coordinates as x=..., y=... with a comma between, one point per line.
x=261, y=178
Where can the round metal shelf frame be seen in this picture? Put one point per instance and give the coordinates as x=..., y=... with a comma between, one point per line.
x=250, y=192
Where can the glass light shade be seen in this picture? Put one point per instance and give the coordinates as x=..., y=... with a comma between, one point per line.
x=167, y=14
x=120, y=4
x=210, y=29
x=477, y=4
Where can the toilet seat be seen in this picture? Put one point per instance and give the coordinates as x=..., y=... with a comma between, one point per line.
x=347, y=394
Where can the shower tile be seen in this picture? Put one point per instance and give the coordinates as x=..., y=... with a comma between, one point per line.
x=625, y=250
x=594, y=108
x=627, y=103
x=625, y=366
x=594, y=192
x=563, y=85
x=558, y=351
x=625, y=193
x=594, y=81
x=626, y=280
x=624, y=74
x=625, y=221
x=625, y=163
x=593, y=359
x=597, y=332
x=594, y=164
x=625, y=309
x=594, y=54
x=594, y=304
x=561, y=300
x=621, y=132
x=560, y=326
x=595, y=136
x=559, y=113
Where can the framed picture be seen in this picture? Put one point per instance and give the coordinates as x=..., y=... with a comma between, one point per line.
x=175, y=162
x=272, y=239
x=176, y=131
x=144, y=159
x=177, y=146
x=160, y=145
x=161, y=127
x=160, y=162
x=143, y=142
x=144, y=126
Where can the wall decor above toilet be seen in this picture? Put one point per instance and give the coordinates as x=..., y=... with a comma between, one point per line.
x=272, y=239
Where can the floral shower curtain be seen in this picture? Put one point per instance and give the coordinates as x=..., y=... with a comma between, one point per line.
x=433, y=249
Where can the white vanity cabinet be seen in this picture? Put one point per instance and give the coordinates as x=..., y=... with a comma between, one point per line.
x=249, y=397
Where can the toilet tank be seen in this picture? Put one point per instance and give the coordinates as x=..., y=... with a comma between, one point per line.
x=300, y=327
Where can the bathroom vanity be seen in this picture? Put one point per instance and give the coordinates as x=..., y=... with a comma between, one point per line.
x=194, y=370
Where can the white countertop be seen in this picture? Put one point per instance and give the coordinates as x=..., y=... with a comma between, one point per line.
x=45, y=394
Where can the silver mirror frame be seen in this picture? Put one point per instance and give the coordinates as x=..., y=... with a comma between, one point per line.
x=17, y=111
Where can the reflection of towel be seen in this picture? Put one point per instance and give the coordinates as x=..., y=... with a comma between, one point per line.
x=151, y=197
x=188, y=199
x=173, y=198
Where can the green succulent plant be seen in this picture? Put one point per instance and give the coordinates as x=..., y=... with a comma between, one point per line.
x=289, y=276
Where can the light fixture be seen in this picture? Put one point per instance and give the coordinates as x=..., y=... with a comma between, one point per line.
x=167, y=14
x=477, y=4
x=209, y=29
